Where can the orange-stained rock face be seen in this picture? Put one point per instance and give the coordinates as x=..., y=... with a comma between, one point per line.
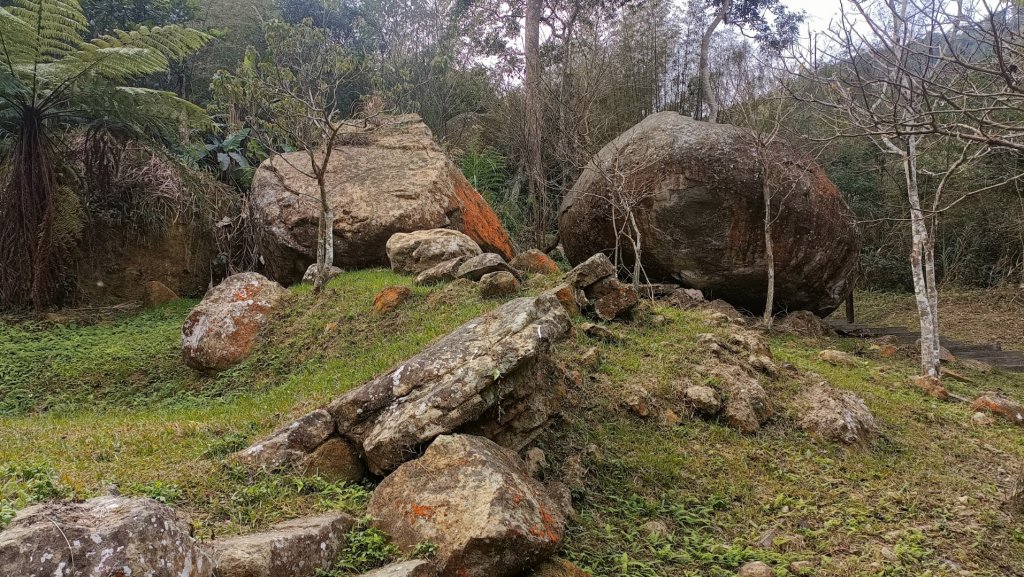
x=1000, y=404
x=391, y=179
x=478, y=220
x=534, y=261
x=390, y=299
x=222, y=330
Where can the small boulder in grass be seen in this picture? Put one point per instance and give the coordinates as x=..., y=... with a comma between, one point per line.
x=309, y=277
x=476, y=267
x=1001, y=405
x=156, y=293
x=839, y=358
x=498, y=284
x=476, y=502
x=415, y=252
x=836, y=415
x=705, y=400
x=442, y=272
x=535, y=262
x=932, y=387
x=755, y=569
x=390, y=298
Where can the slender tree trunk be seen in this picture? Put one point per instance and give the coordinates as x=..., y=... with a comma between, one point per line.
x=769, y=249
x=922, y=265
x=325, y=238
x=706, y=94
x=534, y=138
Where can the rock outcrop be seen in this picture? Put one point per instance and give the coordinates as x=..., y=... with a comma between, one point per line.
x=297, y=548
x=415, y=252
x=223, y=328
x=593, y=288
x=101, y=537
x=836, y=415
x=492, y=376
x=476, y=502
x=389, y=179
x=701, y=216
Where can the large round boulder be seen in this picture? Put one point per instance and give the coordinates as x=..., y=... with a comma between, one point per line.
x=223, y=328
x=381, y=180
x=701, y=214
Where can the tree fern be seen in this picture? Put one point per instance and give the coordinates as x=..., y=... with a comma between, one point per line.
x=52, y=79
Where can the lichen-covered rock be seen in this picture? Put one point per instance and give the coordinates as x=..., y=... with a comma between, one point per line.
x=492, y=376
x=703, y=223
x=223, y=328
x=441, y=272
x=746, y=405
x=415, y=252
x=836, y=415
x=476, y=267
x=498, y=284
x=335, y=460
x=297, y=548
x=534, y=261
x=999, y=404
x=156, y=293
x=476, y=502
x=101, y=537
x=597, y=267
x=380, y=181
x=704, y=400
x=413, y=568
x=838, y=358
x=390, y=298
x=291, y=443
x=309, y=277
x=612, y=298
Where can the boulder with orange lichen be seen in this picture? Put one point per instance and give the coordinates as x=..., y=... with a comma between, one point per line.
x=389, y=179
x=475, y=501
x=222, y=330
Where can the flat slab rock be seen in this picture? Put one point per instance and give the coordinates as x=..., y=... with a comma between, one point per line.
x=476, y=502
x=222, y=330
x=414, y=568
x=101, y=537
x=296, y=548
x=492, y=376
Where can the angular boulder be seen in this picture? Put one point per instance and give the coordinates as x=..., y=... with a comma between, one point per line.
x=101, y=537
x=603, y=295
x=309, y=277
x=297, y=548
x=1001, y=405
x=442, y=272
x=702, y=213
x=476, y=267
x=223, y=328
x=476, y=502
x=390, y=298
x=415, y=252
x=380, y=181
x=156, y=293
x=534, y=261
x=498, y=284
x=836, y=415
x=491, y=376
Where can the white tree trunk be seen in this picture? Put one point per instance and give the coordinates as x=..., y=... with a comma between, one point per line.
x=922, y=261
x=769, y=250
x=706, y=93
x=325, y=240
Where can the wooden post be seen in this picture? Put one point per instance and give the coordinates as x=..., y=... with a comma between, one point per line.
x=849, y=308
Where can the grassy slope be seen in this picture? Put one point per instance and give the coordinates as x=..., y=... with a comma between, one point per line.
x=929, y=496
x=980, y=316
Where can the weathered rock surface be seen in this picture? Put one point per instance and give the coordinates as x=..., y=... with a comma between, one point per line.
x=223, y=328
x=838, y=358
x=498, y=284
x=101, y=537
x=291, y=443
x=296, y=548
x=534, y=261
x=755, y=569
x=805, y=323
x=309, y=277
x=476, y=267
x=393, y=178
x=390, y=298
x=415, y=252
x=476, y=502
x=492, y=376
x=1000, y=404
x=746, y=405
x=704, y=400
x=156, y=293
x=557, y=567
x=836, y=415
x=336, y=460
x=702, y=219
x=603, y=295
x=445, y=271
x=413, y=568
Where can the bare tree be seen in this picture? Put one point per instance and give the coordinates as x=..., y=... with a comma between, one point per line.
x=289, y=97
x=877, y=73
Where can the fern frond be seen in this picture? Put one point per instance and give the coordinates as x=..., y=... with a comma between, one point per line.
x=46, y=29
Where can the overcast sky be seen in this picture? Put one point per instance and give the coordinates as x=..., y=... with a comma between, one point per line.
x=819, y=12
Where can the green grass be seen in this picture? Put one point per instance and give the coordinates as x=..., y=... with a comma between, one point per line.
x=87, y=407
